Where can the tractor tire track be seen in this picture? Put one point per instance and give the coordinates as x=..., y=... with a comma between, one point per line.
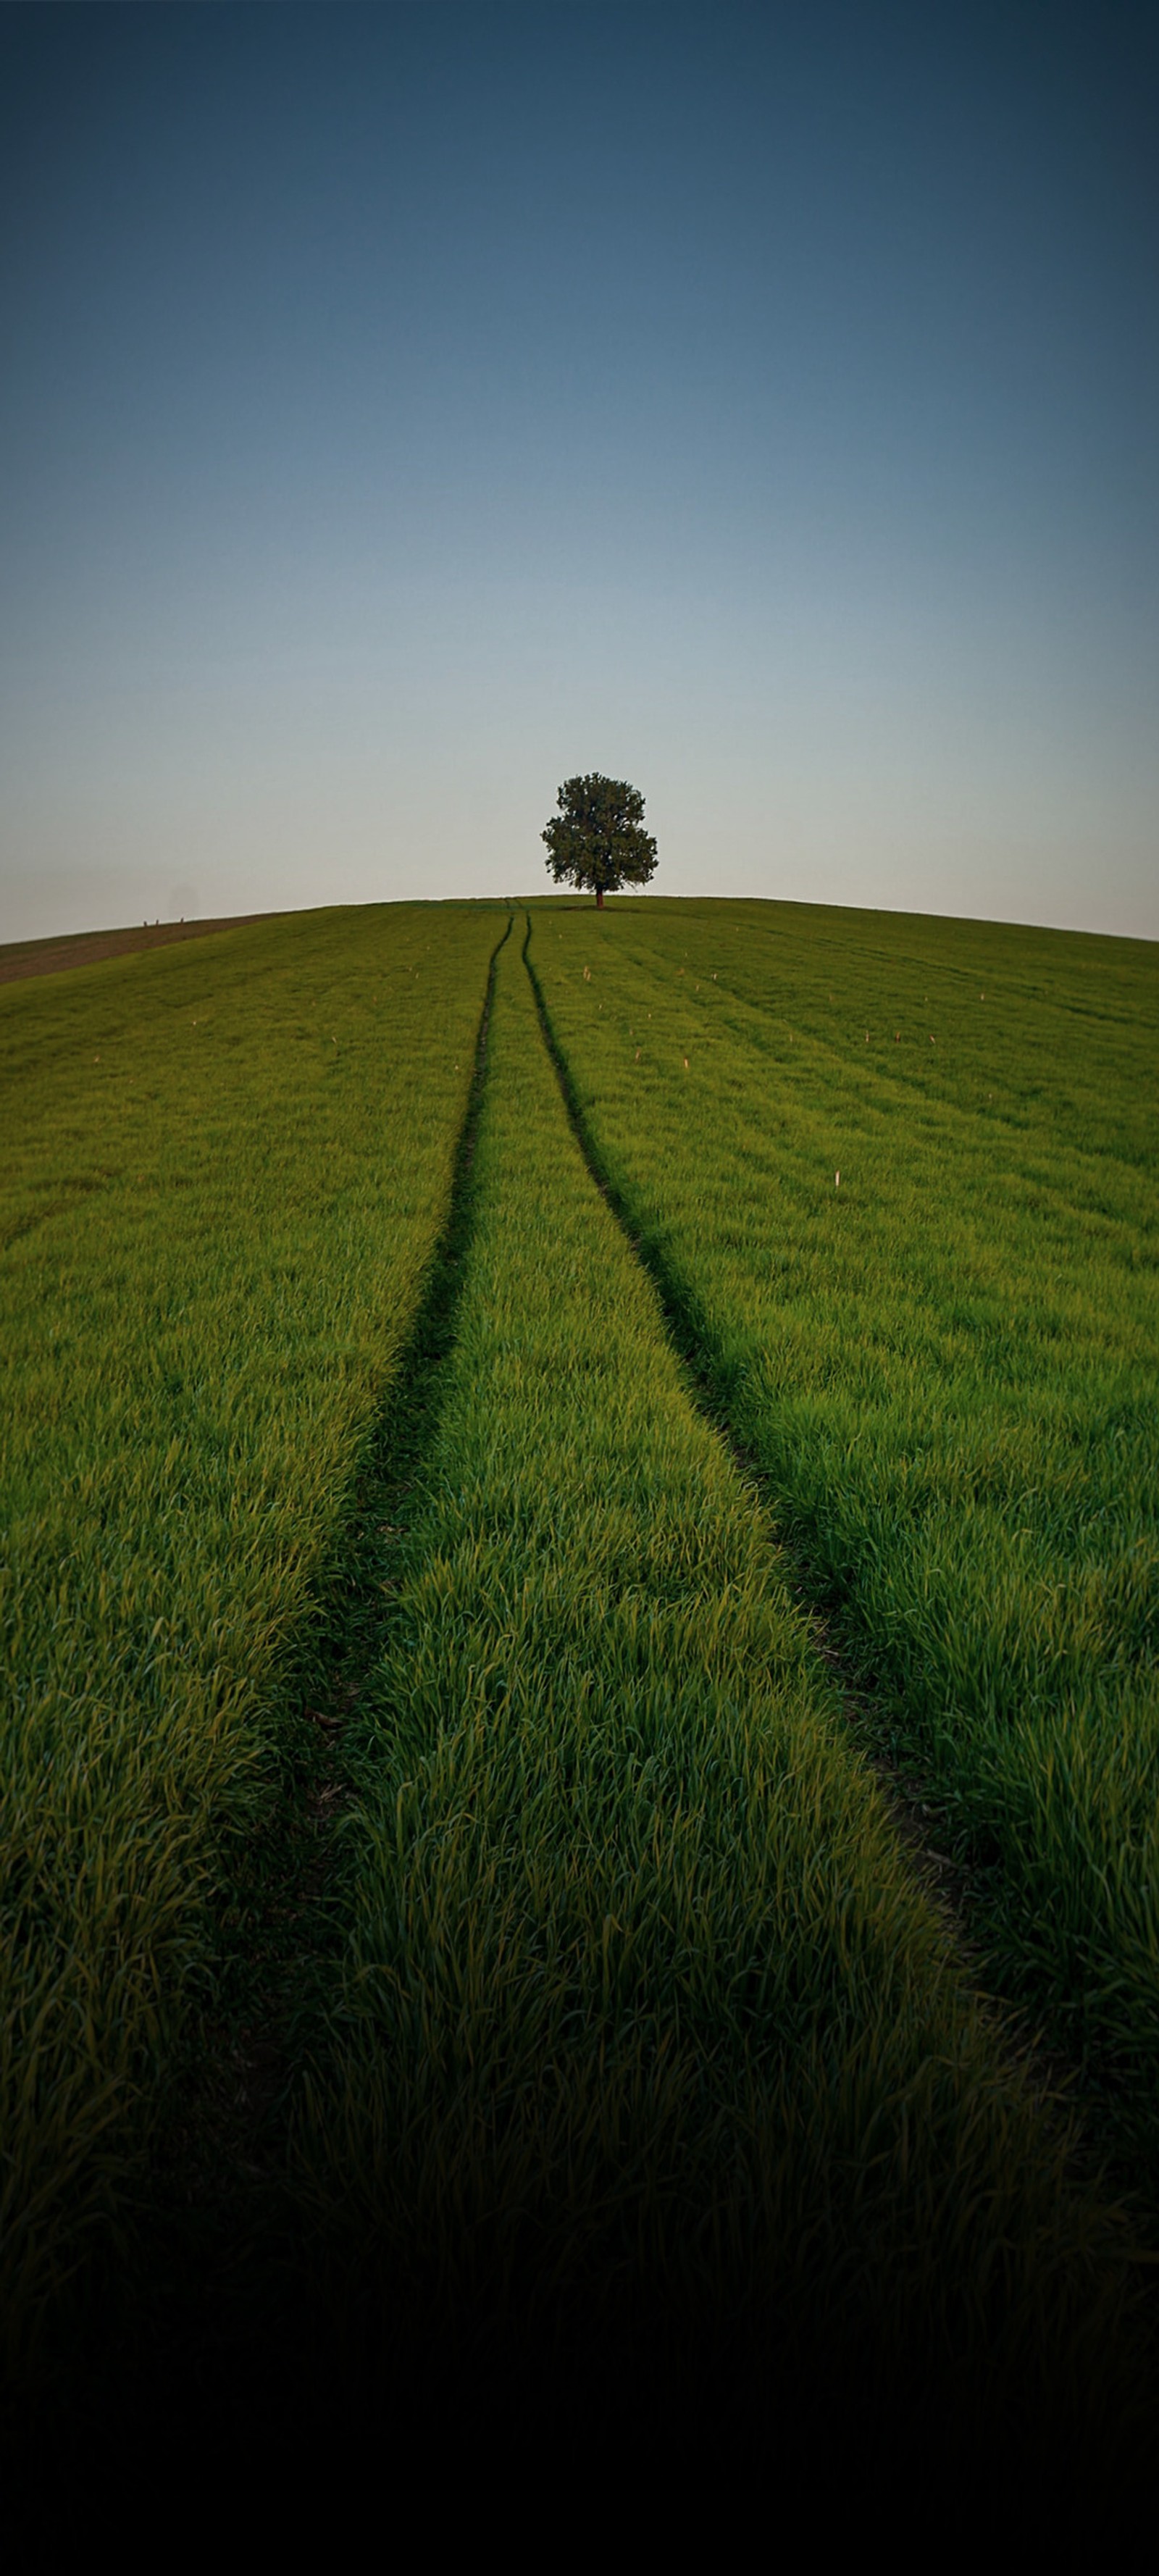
x=915, y=1815
x=198, y=2345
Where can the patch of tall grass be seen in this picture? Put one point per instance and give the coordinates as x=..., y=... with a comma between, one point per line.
x=649, y=2060
x=225, y=1168
x=944, y=1361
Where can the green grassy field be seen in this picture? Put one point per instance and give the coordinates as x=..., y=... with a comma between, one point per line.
x=945, y=1365
x=635, y=2042
x=226, y=1166
x=648, y=2040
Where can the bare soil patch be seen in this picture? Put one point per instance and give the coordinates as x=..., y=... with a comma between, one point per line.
x=86, y=947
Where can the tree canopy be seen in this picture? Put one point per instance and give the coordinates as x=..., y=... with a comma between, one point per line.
x=597, y=839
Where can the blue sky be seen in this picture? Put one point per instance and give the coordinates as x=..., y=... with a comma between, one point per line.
x=408, y=407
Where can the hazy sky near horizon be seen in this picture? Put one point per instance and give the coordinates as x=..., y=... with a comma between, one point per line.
x=409, y=406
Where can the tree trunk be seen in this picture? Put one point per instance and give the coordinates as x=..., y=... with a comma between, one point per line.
x=599, y=898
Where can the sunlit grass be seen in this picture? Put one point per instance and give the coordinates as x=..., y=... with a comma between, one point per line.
x=224, y=1171
x=946, y=1367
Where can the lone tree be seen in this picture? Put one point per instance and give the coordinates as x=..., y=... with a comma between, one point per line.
x=596, y=840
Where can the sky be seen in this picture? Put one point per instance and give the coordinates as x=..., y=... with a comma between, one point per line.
x=405, y=408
